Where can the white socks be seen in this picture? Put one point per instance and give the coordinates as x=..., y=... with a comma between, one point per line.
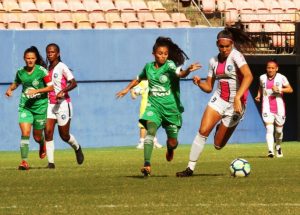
x=73, y=142
x=196, y=150
x=50, y=151
x=270, y=137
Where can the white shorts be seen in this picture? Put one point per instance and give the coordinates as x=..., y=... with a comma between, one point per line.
x=270, y=118
x=229, y=117
x=62, y=112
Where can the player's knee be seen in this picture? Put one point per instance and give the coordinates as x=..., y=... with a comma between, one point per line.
x=172, y=143
x=37, y=139
x=203, y=131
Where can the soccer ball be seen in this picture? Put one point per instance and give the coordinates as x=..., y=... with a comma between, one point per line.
x=239, y=168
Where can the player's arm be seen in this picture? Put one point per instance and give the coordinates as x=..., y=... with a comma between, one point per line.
x=259, y=93
x=245, y=84
x=49, y=87
x=184, y=73
x=11, y=88
x=207, y=85
x=132, y=84
x=71, y=85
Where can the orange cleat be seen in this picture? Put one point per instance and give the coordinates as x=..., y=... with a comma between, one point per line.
x=42, y=151
x=23, y=165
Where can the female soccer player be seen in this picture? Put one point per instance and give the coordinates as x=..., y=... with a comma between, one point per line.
x=142, y=90
x=60, y=106
x=227, y=105
x=164, y=106
x=272, y=87
x=33, y=102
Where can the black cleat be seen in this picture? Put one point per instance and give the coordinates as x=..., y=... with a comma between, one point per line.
x=51, y=166
x=270, y=154
x=79, y=155
x=146, y=170
x=185, y=173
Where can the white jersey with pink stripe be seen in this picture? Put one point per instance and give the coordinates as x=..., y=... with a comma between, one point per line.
x=273, y=102
x=60, y=74
x=228, y=74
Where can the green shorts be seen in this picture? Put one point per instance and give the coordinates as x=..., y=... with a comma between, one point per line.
x=171, y=123
x=38, y=121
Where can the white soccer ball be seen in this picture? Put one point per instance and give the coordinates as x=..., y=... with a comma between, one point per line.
x=37, y=95
x=239, y=168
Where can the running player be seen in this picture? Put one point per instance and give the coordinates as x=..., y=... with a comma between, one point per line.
x=227, y=105
x=142, y=90
x=60, y=106
x=272, y=87
x=164, y=107
x=33, y=102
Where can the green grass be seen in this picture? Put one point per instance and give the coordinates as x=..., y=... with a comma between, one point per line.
x=109, y=182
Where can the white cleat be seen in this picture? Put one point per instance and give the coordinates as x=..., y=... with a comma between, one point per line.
x=140, y=146
x=279, y=152
x=157, y=145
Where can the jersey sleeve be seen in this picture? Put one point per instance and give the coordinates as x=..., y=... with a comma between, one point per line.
x=285, y=81
x=17, y=79
x=211, y=68
x=46, y=76
x=239, y=59
x=67, y=73
x=142, y=75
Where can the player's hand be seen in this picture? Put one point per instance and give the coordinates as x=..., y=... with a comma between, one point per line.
x=133, y=94
x=31, y=92
x=9, y=93
x=196, y=80
x=193, y=67
x=121, y=93
x=275, y=89
x=237, y=105
x=60, y=95
x=257, y=98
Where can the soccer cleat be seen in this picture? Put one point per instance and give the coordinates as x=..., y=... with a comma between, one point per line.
x=170, y=154
x=42, y=151
x=185, y=173
x=79, y=155
x=270, y=154
x=23, y=165
x=140, y=146
x=157, y=145
x=279, y=152
x=146, y=170
x=51, y=166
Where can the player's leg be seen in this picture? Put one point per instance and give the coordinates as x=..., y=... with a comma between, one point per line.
x=222, y=135
x=49, y=132
x=172, y=142
x=279, y=122
x=39, y=122
x=269, y=120
x=209, y=119
x=143, y=133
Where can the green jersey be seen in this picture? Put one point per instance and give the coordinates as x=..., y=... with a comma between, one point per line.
x=164, y=90
x=38, y=103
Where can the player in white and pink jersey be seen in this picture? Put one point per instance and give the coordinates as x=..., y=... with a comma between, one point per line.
x=227, y=104
x=60, y=106
x=271, y=89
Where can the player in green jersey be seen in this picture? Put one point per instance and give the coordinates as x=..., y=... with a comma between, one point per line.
x=33, y=102
x=164, y=107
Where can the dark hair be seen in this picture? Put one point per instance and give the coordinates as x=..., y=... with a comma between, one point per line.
x=241, y=39
x=175, y=53
x=273, y=60
x=57, y=48
x=39, y=59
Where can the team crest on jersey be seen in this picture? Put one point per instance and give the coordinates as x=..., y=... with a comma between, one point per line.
x=23, y=115
x=35, y=83
x=163, y=79
x=230, y=68
x=55, y=75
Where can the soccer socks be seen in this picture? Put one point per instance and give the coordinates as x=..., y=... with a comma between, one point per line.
x=73, y=142
x=50, y=151
x=270, y=137
x=148, y=148
x=24, y=147
x=196, y=150
x=278, y=134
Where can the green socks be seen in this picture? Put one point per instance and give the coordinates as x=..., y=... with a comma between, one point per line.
x=24, y=147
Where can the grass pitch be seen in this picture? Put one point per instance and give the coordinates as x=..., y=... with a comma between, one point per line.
x=110, y=182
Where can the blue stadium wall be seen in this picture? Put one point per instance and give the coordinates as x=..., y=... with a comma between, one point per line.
x=103, y=61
